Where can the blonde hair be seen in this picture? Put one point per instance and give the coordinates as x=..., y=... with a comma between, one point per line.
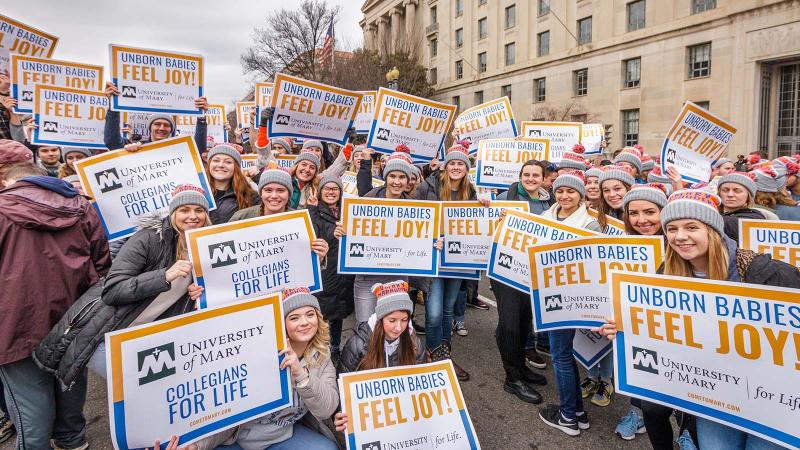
x=181, y=250
x=717, y=259
x=319, y=346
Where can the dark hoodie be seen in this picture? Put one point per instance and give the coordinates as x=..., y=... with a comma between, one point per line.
x=52, y=248
x=731, y=220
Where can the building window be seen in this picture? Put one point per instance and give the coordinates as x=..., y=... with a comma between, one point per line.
x=699, y=60
x=482, y=28
x=544, y=7
x=636, y=12
x=510, y=54
x=704, y=104
x=539, y=90
x=543, y=43
x=788, y=102
x=459, y=69
x=459, y=37
x=459, y=7
x=433, y=15
x=580, y=82
x=632, y=72
x=482, y=62
x=630, y=127
x=511, y=16
x=585, y=30
x=434, y=46
x=457, y=101
x=699, y=6
x=432, y=76
x=479, y=97
x=505, y=91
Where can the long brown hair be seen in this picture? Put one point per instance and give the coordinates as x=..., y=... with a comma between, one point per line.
x=717, y=259
x=446, y=187
x=629, y=230
x=66, y=170
x=241, y=187
x=604, y=208
x=376, y=358
x=773, y=199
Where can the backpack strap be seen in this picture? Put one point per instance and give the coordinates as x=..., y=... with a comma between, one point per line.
x=743, y=260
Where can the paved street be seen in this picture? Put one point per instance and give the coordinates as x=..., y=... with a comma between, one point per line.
x=501, y=420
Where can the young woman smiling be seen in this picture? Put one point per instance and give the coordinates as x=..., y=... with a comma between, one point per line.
x=615, y=182
x=529, y=187
x=231, y=189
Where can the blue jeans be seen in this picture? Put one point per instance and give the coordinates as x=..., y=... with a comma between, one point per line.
x=540, y=339
x=302, y=439
x=40, y=410
x=604, y=369
x=461, y=306
x=567, y=377
x=439, y=310
x=716, y=436
x=3, y=408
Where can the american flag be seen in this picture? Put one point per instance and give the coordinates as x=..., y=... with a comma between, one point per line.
x=326, y=54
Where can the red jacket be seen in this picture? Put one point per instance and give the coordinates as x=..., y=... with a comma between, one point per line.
x=52, y=249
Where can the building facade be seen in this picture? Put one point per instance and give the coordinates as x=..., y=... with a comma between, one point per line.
x=629, y=64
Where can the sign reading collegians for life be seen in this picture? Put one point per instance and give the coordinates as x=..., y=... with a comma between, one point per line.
x=392, y=237
x=27, y=72
x=569, y=279
x=16, y=37
x=417, y=122
x=777, y=238
x=500, y=160
x=508, y=261
x=490, y=120
x=311, y=110
x=70, y=117
x=694, y=142
x=729, y=352
x=197, y=374
x=417, y=407
x=125, y=185
x=155, y=80
x=254, y=257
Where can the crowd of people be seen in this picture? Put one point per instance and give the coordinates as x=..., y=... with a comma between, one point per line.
x=65, y=286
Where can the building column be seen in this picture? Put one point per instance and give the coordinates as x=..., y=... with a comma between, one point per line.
x=383, y=38
x=412, y=35
x=397, y=29
x=370, y=37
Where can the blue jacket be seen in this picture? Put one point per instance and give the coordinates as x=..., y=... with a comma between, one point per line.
x=112, y=136
x=786, y=212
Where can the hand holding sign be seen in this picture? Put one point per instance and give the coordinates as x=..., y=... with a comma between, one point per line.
x=181, y=269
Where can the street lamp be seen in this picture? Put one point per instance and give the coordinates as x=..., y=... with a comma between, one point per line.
x=391, y=77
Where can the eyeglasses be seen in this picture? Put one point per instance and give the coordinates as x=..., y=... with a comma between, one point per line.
x=330, y=189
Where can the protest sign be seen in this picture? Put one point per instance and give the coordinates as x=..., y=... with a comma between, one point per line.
x=500, y=160
x=285, y=161
x=614, y=226
x=5, y=63
x=419, y=123
x=569, y=279
x=263, y=98
x=137, y=122
x=777, y=238
x=392, y=237
x=419, y=406
x=366, y=112
x=215, y=124
x=463, y=274
x=592, y=137
x=508, y=260
x=312, y=110
x=27, y=72
x=249, y=160
x=694, y=142
x=243, y=111
x=562, y=135
x=350, y=184
x=69, y=117
x=16, y=37
x=490, y=120
x=589, y=347
x=725, y=351
x=197, y=374
x=125, y=185
x=254, y=257
x=467, y=229
x=155, y=80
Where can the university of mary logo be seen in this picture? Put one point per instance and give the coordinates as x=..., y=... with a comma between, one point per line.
x=357, y=250
x=505, y=260
x=156, y=363
x=108, y=180
x=50, y=127
x=553, y=303
x=371, y=446
x=282, y=119
x=222, y=254
x=27, y=96
x=488, y=171
x=645, y=360
x=383, y=134
x=128, y=91
x=454, y=247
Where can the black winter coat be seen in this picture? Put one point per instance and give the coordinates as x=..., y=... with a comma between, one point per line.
x=357, y=345
x=336, y=300
x=136, y=277
x=227, y=205
x=731, y=220
x=429, y=189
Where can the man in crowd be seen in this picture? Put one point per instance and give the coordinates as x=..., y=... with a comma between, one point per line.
x=44, y=224
x=49, y=159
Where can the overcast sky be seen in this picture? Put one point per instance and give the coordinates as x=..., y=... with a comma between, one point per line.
x=217, y=29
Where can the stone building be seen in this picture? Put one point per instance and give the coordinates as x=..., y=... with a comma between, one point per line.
x=628, y=64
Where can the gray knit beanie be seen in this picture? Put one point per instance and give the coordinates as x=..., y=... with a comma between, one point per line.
x=656, y=176
x=327, y=179
x=630, y=156
x=83, y=151
x=648, y=163
x=654, y=193
x=457, y=153
x=741, y=178
x=294, y=298
x=594, y=172
x=398, y=161
x=694, y=204
x=227, y=150
x=157, y=116
x=312, y=143
x=187, y=194
x=283, y=143
x=573, y=179
x=573, y=159
x=616, y=173
x=720, y=162
x=307, y=155
x=767, y=180
x=278, y=176
x=392, y=297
